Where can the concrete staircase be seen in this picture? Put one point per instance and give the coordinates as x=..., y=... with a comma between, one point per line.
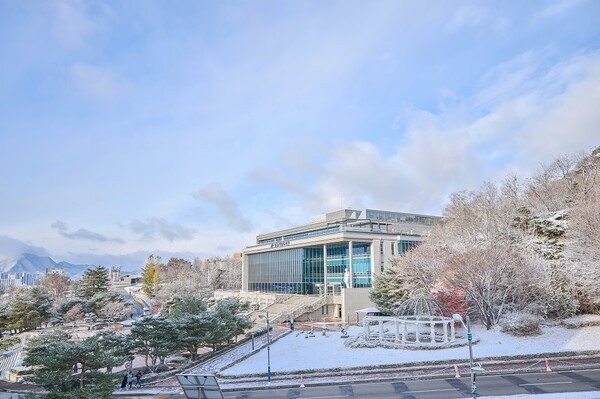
x=8, y=360
x=291, y=308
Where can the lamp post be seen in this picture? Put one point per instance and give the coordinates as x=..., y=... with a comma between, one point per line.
x=470, y=339
x=268, y=347
x=472, y=368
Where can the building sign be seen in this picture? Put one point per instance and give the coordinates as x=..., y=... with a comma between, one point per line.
x=278, y=244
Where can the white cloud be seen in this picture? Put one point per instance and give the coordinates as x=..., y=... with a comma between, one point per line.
x=558, y=8
x=524, y=114
x=11, y=248
x=153, y=228
x=97, y=83
x=225, y=204
x=82, y=234
x=70, y=23
x=469, y=16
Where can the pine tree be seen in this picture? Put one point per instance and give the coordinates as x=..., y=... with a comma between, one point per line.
x=53, y=358
x=30, y=309
x=93, y=282
x=154, y=339
x=387, y=290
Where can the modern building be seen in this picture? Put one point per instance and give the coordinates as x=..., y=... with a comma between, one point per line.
x=337, y=255
x=19, y=279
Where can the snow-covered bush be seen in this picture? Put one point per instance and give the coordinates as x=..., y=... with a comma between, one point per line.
x=521, y=324
x=559, y=305
x=586, y=320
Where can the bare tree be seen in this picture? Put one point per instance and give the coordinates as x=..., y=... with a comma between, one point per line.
x=115, y=310
x=57, y=285
x=74, y=314
x=419, y=270
x=494, y=280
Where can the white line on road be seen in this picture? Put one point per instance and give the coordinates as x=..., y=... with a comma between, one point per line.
x=431, y=390
x=547, y=383
x=326, y=397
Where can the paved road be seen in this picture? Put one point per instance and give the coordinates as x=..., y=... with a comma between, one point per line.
x=449, y=388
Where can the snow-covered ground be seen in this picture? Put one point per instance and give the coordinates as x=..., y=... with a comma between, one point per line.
x=295, y=352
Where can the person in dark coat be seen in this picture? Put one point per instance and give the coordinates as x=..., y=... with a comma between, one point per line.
x=124, y=382
x=138, y=379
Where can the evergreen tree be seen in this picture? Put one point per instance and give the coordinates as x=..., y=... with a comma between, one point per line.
x=179, y=307
x=192, y=332
x=387, y=290
x=151, y=276
x=153, y=338
x=30, y=309
x=224, y=324
x=54, y=358
x=114, y=348
x=94, y=281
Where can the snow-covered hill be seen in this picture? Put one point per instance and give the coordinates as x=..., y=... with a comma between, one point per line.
x=29, y=263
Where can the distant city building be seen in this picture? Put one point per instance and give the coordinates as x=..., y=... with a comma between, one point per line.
x=114, y=274
x=338, y=254
x=52, y=270
x=8, y=280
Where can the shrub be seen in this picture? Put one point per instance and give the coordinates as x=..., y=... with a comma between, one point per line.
x=559, y=305
x=521, y=324
x=582, y=321
x=452, y=299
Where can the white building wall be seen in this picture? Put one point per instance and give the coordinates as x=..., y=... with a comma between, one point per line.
x=354, y=299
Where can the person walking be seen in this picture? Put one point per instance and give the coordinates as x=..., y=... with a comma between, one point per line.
x=124, y=382
x=129, y=380
x=138, y=379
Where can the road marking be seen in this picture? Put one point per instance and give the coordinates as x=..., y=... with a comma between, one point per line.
x=547, y=383
x=431, y=390
x=326, y=397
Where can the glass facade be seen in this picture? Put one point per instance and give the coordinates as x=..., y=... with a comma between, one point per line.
x=361, y=265
x=399, y=217
x=406, y=245
x=304, y=234
x=277, y=271
x=301, y=270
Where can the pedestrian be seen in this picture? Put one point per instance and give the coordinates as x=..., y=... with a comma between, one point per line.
x=138, y=379
x=124, y=382
x=129, y=380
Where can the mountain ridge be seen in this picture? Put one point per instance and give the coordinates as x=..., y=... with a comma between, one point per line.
x=35, y=264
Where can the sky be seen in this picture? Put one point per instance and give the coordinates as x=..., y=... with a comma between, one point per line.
x=186, y=128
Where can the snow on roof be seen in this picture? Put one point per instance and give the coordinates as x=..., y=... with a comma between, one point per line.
x=368, y=310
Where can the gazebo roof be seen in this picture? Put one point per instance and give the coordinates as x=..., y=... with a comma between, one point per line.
x=369, y=310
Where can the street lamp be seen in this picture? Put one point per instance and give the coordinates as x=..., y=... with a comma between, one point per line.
x=268, y=347
x=474, y=370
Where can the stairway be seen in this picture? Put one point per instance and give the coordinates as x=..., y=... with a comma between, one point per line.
x=291, y=308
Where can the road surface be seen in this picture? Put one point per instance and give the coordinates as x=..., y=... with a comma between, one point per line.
x=448, y=388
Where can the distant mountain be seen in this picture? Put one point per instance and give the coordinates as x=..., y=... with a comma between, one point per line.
x=29, y=263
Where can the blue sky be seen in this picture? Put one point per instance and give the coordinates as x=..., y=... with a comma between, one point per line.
x=188, y=127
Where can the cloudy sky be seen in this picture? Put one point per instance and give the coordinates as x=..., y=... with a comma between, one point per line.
x=188, y=127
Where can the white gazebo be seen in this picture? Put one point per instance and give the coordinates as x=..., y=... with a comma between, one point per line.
x=418, y=321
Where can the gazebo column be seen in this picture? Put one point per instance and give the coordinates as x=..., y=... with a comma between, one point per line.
x=404, y=331
x=380, y=330
x=367, y=329
x=432, y=331
x=445, y=325
x=397, y=330
x=417, y=338
x=452, y=331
